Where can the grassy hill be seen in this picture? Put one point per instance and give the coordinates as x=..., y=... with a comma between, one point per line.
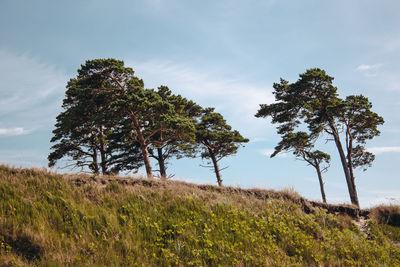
x=56, y=220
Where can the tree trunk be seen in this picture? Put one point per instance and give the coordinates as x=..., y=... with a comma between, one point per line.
x=216, y=168
x=95, y=166
x=351, y=188
x=143, y=146
x=349, y=141
x=161, y=163
x=321, y=182
x=103, y=159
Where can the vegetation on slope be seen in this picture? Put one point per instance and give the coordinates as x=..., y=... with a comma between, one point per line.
x=45, y=219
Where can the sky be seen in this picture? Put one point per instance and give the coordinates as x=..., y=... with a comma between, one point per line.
x=224, y=54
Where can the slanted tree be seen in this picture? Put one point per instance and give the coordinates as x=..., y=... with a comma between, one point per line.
x=300, y=144
x=179, y=141
x=217, y=139
x=313, y=100
x=360, y=124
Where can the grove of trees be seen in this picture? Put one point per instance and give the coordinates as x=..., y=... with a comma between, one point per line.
x=313, y=102
x=111, y=123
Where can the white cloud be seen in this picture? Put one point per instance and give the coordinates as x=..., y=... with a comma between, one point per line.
x=30, y=90
x=236, y=98
x=369, y=70
x=372, y=198
x=365, y=67
x=384, y=149
x=269, y=152
x=13, y=131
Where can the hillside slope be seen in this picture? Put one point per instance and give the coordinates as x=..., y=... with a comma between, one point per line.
x=51, y=219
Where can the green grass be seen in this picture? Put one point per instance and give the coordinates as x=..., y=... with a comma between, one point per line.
x=46, y=220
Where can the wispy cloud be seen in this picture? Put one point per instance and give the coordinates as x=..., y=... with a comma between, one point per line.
x=30, y=90
x=369, y=70
x=205, y=84
x=13, y=131
x=384, y=149
x=365, y=67
x=372, y=198
x=237, y=99
x=269, y=152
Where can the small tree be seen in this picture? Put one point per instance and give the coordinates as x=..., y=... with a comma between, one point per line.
x=217, y=138
x=313, y=100
x=179, y=141
x=301, y=146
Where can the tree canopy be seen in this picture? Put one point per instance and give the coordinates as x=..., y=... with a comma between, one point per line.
x=313, y=101
x=217, y=139
x=177, y=140
x=83, y=129
x=302, y=146
x=112, y=123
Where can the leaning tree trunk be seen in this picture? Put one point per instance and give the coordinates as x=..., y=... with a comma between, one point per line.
x=143, y=146
x=351, y=188
x=321, y=182
x=161, y=163
x=216, y=168
x=349, y=144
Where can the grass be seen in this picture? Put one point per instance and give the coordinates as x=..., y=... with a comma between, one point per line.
x=47, y=220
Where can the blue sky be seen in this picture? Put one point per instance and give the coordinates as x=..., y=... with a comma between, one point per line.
x=225, y=54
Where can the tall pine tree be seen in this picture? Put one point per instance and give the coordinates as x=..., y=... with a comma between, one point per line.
x=313, y=100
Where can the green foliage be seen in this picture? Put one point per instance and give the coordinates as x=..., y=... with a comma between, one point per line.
x=85, y=132
x=58, y=223
x=313, y=101
x=177, y=138
x=301, y=145
x=108, y=112
x=217, y=138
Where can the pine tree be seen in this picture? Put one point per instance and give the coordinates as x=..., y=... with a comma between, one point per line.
x=313, y=101
x=178, y=141
x=301, y=145
x=217, y=139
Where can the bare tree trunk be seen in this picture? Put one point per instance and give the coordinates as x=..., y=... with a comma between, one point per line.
x=350, y=185
x=216, y=168
x=321, y=182
x=143, y=146
x=161, y=163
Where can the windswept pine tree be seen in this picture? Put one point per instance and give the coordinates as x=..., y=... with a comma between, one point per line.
x=301, y=146
x=313, y=101
x=180, y=140
x=217, y=139
x=109, y=114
